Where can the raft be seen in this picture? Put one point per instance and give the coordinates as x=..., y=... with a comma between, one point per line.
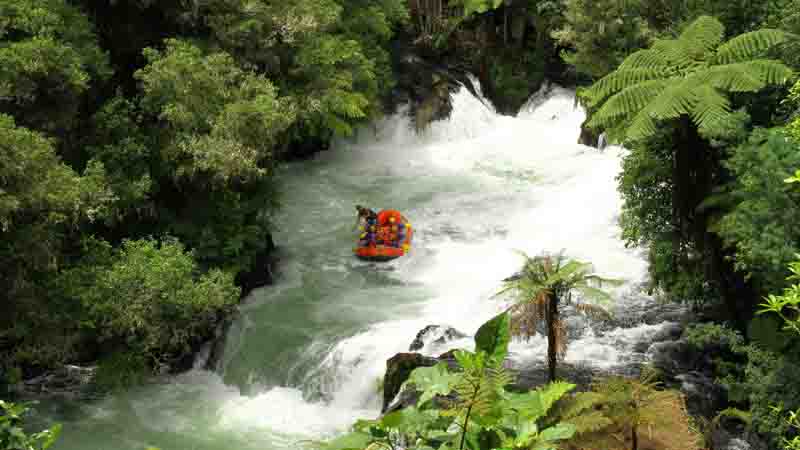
x=387, y=232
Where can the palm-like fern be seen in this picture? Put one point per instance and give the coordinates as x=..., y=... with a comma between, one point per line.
x=639, y=412
x=478, y=391
x=686, y=76
x=541, y=285
x=580, y=410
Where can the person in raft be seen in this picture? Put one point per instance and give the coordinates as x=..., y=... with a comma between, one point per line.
x=390, y=221
x=368, y=225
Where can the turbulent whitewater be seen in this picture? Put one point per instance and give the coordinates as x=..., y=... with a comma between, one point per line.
x=304, y=360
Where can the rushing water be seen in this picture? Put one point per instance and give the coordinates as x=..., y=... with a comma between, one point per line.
x=304, y=359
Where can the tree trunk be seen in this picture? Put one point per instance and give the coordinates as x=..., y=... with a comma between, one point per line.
x=634, y=439
x=696, y=164
x=551, y=317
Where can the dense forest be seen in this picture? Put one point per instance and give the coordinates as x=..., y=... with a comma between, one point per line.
x=139, y=139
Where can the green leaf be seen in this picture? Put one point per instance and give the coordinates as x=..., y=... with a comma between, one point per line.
x=535, y=404
x=526, y=433
x=410, y=419
x=559, y=432
x=436, y=380
x=493, y=337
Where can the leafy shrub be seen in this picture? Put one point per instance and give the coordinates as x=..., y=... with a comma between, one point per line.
x=12, y=434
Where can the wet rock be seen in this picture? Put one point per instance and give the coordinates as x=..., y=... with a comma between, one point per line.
x=677, y=357
x=669, y=312
x=670, y=332
x=730, y=433
x=588, y=136
x=436, y=334
x=398, y=368
x=66, y=381
x=703, y=396
x=534, y=375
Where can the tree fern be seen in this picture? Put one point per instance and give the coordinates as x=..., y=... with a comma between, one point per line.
x=543, y=282
x=687, y=76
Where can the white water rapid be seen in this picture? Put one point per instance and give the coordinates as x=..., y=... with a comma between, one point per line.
x=304, y=360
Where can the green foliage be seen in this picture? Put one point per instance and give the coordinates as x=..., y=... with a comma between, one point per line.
x=600, y=34
x=121, y=370
x=50, y=56
x=493, y=337
x=755, y=379
x=706, y=334
x=121, y=146
x=686, y=76
x=432, y=381
x=471, y=7
x=767, y=332
x=225, y=120
x=793, y=421
x=794, y=126
x=35, y=222
x=334, y=65
x=760, y=225
x=147, y=298
x=12, y=434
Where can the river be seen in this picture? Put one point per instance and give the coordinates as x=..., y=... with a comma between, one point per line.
x=304, y=359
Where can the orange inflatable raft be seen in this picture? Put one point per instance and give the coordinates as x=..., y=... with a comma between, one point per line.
x=391, y=237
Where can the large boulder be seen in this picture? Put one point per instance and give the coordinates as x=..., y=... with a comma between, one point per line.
x=588, y=136
x=435, y=334
x=398, y=369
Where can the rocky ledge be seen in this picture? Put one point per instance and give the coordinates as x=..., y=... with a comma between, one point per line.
x=68, y=381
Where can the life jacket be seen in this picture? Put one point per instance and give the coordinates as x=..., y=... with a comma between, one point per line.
x=385, y=216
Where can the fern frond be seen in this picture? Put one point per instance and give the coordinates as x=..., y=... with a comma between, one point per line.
x=594, y=293
x=771, y=71
x=551, y=393
x=627, y=102
x=738, y=77
x=526, y=316
x=590, y=422
x=593, y=311
x=675, y=101
x=703, y=35
x=675, y=52
x=646, y=59
x=499, y=377
x=711, y=109
x=619, y=80
x=570, y=407
x=748, y=45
